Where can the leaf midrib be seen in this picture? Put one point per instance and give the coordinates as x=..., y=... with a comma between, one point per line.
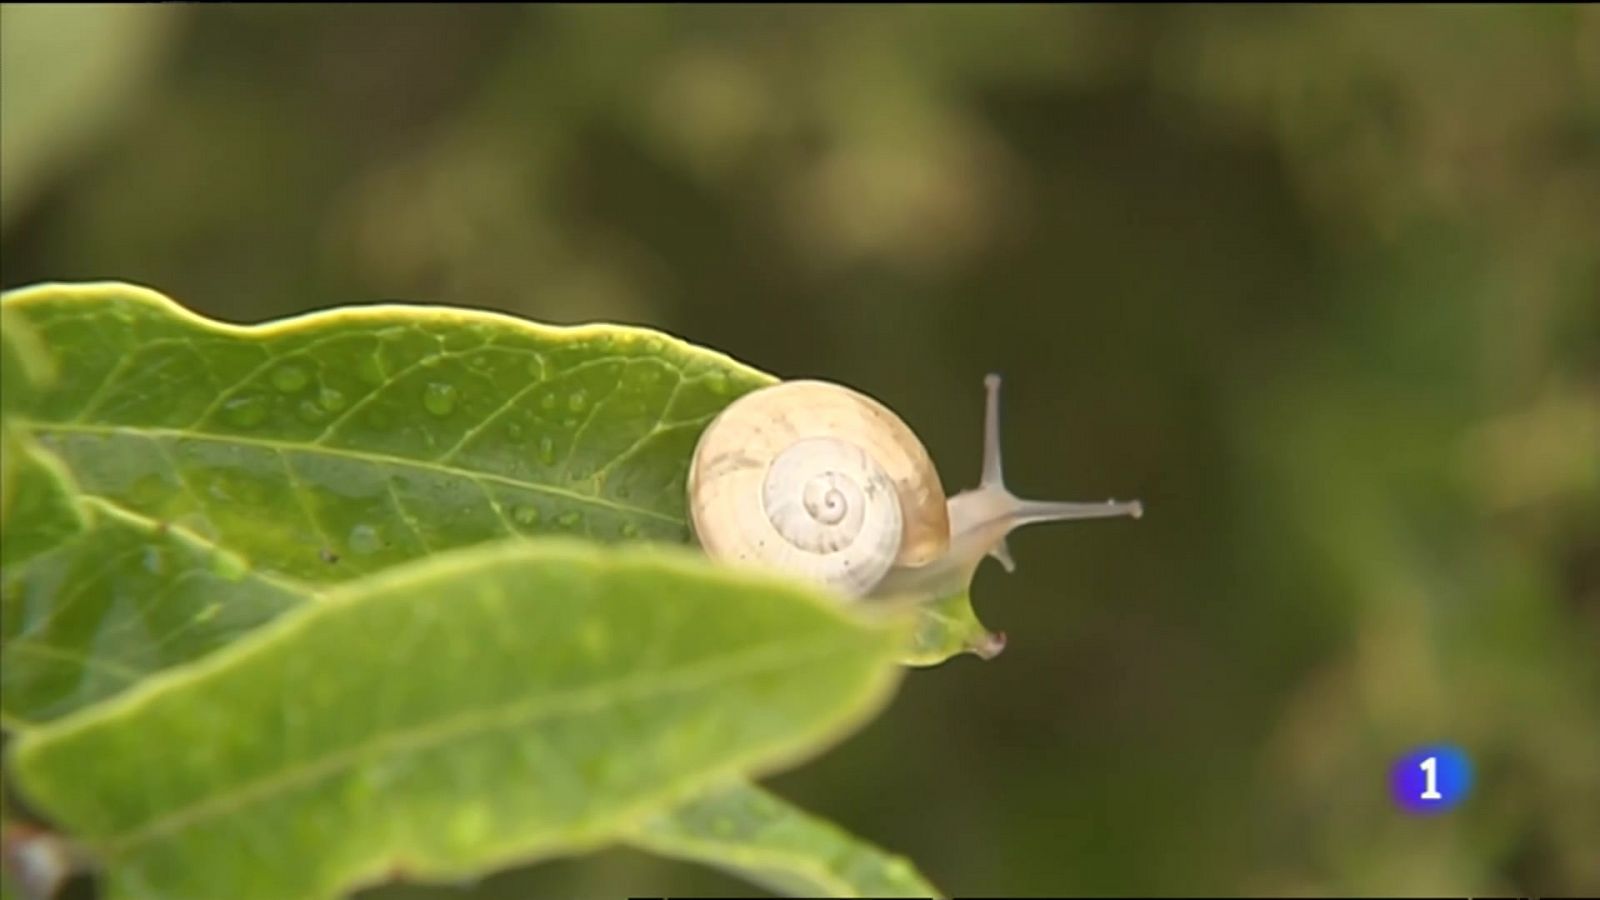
x=592, y=698
x=357, y=455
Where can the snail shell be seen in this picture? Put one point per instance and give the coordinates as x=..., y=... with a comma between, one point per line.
x=819, y=481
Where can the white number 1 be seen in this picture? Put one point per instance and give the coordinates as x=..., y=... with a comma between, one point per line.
x=1431, y=766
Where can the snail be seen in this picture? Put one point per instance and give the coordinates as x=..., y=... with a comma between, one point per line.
x=826, y=484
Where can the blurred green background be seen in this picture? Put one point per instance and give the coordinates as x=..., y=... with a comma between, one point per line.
x=1320, y=285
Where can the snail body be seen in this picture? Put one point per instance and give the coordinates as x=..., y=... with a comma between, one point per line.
x=828, y=485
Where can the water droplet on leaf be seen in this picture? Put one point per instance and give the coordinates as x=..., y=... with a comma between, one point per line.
x=311, y=412
x=548, y=401
x=526, y=515
x=630, y=530
x=439, y=398
x=245, y=412
x=370, y=370
x=577, y=400
x=290, y=378
x=331, y=399
x=364, y=539
x=570, y=519
x=547, y=450
x=717, y=382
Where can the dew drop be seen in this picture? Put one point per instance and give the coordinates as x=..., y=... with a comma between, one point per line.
x=364, y=540
x=370, y=370
x=548, y=401
x=569, y=519
x=717, y=382
x=630, y=530
x=535, y=368
x=578, y=400
x=439, y=398
x=331, y=399
x=290, y=378
x=514, y=431
x=526, y=515
x=155, y=561
x=245, y=412
x=311, y=412
x=547, y=450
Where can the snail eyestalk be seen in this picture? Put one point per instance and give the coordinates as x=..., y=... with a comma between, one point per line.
x=1029, y=512
x=992, y=470
x=981, y=519
x=1032, y=511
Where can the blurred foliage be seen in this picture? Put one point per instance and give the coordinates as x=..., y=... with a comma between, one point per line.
x=70, y=73
x=1321, y=285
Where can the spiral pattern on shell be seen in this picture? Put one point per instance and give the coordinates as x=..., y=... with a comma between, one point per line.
x=817, y=481
x=827, y=498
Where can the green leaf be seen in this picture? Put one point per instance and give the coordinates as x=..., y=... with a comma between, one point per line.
x=26, y=366
x=373, y=435
x=762, y=838
x=92, y=598
x=156, y=487
x=485, y=706
x=339, y=443
x=42, y=498
x=949, y=627
x=39, y=511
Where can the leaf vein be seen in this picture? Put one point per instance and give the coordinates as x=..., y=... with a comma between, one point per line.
x=304, y=502
x=577, y=436
x=406, y=516
x=39, y=648
x=158, y=434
